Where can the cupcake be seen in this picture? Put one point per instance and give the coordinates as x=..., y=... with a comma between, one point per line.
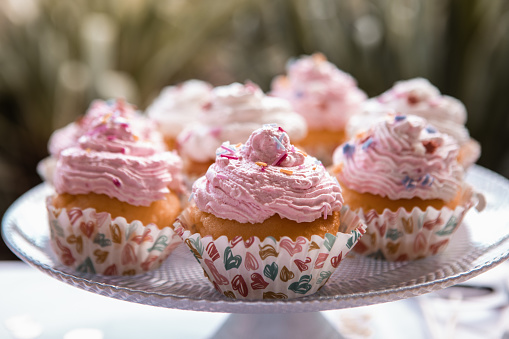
x=419, y=97
x=325, y=96
x=403, y=179
x=116, y=195
x=179, y=106
x=267, y=221
x=68, y=135
x=233, y=112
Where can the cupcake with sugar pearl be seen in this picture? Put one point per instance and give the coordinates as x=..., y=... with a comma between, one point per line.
x=325, y=96
x=117, y=192
x=267, y=220
x=403, y=179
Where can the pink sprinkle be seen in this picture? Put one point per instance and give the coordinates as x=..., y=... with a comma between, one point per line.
x=227, y=149
x=280, y=160
x=229, y=156
x=281, y=129
x=116, y=182
x=110, y=137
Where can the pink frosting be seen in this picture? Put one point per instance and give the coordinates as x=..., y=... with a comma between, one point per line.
x=68, y=135
x=324, y=95
x=401, y=157
x=119, y=156
x=419, y=97
x=265, y=176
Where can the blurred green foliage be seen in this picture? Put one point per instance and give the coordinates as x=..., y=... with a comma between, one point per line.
x=57, y=55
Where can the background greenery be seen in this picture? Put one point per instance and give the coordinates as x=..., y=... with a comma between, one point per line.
x=57, y=55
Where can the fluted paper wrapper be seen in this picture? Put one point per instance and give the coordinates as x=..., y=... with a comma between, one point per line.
x=271, y=269
x=92, y=242
x=411, y=235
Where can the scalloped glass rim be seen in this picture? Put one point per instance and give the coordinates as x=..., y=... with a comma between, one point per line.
x=479, y=244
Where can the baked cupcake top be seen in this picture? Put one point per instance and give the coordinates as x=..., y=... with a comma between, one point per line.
x=117, y=155
x=180, y=105
x=324, y=95
x=265, y=176
x=401, y=157
x=233, y=112
x=419, y=97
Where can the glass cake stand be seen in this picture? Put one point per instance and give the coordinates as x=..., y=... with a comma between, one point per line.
x=479, y=244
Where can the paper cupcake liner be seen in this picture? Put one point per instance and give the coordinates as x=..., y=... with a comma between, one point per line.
x=270, y=269
x=404, y=235
x=92, y=242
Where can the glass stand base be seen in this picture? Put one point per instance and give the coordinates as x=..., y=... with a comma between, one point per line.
x=287, y=325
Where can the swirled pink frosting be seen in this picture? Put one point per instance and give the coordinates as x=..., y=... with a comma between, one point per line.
x=401, y=157
x=232, y=114
x=324, y=95
x=119, y=156
x=265, y=176
x=419, y=97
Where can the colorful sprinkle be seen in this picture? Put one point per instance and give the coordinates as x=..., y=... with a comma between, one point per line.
x=302, y=152
x=279, y=145
x=229, y=156
x=367, y=143
x=431, y=129
x=280, y=160
x=281, y=129
x=116, y=182
x=229, y=150
x=408, y=182
x=399, y=117
x=261, y=163
x=430, y=146
x=348, y=149
x=191, y=196
x=286, y=171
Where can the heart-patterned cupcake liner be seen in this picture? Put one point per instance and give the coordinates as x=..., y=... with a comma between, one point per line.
x=411, y=235
x=92, y=242
x=271, y=269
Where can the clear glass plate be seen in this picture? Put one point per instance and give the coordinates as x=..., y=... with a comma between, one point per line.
x=479, y=244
